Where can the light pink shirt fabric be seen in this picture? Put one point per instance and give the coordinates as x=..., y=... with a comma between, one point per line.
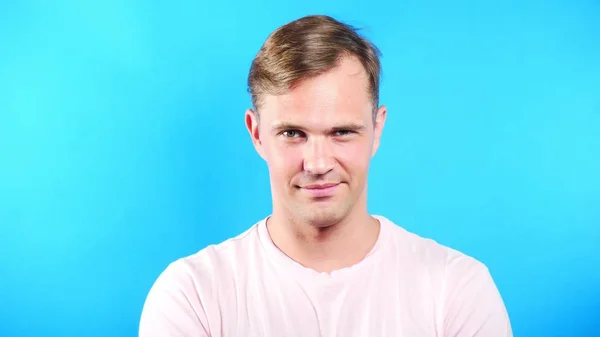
x=407, y=286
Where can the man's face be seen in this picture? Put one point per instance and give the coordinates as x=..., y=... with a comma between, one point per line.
x=318, y=140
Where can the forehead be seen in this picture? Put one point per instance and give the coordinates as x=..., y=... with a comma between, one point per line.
x=340, y=94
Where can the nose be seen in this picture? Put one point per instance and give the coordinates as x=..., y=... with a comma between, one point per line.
x=318, y=157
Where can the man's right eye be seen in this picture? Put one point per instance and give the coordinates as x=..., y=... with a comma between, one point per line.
x=291, y=133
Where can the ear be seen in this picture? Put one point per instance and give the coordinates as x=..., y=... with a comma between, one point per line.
x=379, y=122
x=252, y=124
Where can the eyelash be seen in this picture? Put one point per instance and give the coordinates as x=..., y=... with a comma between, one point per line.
x=287, y=131
x=346, y=132
x=300, y=133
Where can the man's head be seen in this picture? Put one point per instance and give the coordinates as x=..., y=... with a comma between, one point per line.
x=316, y=119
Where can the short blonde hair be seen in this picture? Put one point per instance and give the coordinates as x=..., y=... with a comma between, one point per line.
x=305, y=48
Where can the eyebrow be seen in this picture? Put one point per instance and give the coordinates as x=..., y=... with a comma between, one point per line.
x=282, y=126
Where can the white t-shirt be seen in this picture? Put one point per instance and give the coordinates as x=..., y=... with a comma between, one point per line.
x=406, y=286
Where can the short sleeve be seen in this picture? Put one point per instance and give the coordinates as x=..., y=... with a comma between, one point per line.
x=473, y=306
x=172, y=307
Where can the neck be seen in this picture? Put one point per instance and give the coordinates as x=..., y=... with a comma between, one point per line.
x=329, y=248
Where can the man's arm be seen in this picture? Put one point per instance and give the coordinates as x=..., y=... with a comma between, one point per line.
x=473, y=306
x=172, y=307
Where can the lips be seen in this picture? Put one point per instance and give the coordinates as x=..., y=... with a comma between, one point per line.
x=319, y=186
x=321, y=190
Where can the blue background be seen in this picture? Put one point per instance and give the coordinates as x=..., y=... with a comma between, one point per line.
x=123, y=148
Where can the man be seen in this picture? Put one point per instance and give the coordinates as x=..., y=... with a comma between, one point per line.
x=320, y=264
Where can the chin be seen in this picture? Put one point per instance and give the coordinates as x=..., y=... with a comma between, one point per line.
x=323, y=217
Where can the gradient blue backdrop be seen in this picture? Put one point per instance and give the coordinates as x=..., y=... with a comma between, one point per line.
x=123, y=148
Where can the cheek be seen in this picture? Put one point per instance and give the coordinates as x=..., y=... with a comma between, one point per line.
x=354, y=156
x=284, y=161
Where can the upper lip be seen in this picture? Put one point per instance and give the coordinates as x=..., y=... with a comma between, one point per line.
x=319, y=186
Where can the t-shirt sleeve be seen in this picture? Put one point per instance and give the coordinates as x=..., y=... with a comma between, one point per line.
x=473, y=306
x=173, y=307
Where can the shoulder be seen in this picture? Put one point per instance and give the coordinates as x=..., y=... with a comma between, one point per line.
x=184, y=298
x=428, y=253
x=469, y=301
x=214, y=260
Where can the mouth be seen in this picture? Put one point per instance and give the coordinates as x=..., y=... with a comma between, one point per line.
x=320, y=190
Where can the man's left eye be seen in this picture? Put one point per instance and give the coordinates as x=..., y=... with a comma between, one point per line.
x=343, y=132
